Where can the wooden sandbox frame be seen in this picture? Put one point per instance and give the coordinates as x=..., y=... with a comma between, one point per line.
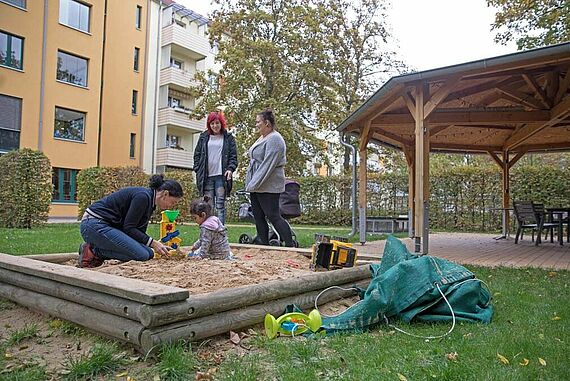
x=147, y=314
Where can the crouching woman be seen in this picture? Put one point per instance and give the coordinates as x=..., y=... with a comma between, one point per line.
x=115, y=226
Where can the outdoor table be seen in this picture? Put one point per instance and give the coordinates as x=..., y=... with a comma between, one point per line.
x=560, y=212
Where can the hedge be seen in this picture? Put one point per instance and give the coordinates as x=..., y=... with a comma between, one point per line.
x=26, y=190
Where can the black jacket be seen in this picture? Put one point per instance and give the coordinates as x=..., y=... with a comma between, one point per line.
x=129, y=210
x=229, y=158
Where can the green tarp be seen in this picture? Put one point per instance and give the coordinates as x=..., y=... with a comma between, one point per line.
x=405, y=286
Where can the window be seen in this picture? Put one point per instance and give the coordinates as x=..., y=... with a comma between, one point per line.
x=136, y=59
x=174, y=102
x=64, y=185
x=69, y=124
x=175, y=63
x=134, y=104
x=71, y=69
x=11, y=50
x=173, y=141
x=74, y=14
x=17, y=3
x=132, y=146
x=138, y=17
x=10, y=122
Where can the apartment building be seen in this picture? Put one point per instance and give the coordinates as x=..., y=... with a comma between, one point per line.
x=71, y=80
x=184, y=49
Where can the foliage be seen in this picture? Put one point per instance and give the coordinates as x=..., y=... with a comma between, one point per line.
x=26, y=190
x=102, y=359
x=532, y=23
x=187, y=181
x=26, y=332
x=176, y=361
x=97, y=182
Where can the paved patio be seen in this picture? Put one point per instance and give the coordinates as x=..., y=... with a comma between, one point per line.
x=483, y=250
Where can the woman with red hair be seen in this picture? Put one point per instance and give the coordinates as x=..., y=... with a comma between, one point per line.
x=215, y=160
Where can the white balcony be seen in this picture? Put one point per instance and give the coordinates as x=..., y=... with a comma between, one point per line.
x=178, y=117
x=197, y=46
x=173, y=157
x=179, y=77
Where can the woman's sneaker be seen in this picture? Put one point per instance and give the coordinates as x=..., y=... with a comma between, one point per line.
x=87, y=257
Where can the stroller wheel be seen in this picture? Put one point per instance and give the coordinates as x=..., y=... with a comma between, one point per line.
x=245, y=238
x=274, y=242
x=295, y=243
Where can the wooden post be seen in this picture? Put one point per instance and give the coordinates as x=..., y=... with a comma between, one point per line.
x=363, y=180
x=223, y=300
x=411, y=161
x=506, y=193
x=420, y=135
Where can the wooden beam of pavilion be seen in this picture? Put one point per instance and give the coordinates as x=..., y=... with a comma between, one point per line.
x=467, y=117
x=563, y=88
x=531, y=82
x=482, y=87
x=394, y=138
x=558, y=113
x=521, y=97
x=440, y=95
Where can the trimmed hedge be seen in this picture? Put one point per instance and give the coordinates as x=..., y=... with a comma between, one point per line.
x=26, y=191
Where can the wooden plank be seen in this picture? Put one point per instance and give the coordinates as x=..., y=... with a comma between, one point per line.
x=482, y=87
x=228, y=299
x=53, y=258
x=102, y=302
x=94, y=320
x=201, y=328
x=365, y=135
x=466, y=117
x=520, y=97
x=563, y=88
x=393, y=137
x=127, y=288
x=420, y=132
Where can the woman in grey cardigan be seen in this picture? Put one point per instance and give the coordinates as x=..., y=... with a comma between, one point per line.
x=265, y=179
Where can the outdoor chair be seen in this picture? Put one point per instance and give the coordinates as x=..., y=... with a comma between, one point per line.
x=528, y=218
x=546, y=218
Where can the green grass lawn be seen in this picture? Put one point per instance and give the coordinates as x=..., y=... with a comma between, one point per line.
x=65, y=238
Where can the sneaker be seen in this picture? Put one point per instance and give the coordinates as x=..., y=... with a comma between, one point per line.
x=87, y=257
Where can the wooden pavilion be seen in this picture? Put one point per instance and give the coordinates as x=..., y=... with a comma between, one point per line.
x=503, y=106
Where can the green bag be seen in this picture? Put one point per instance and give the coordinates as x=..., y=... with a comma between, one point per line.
x=409, y=288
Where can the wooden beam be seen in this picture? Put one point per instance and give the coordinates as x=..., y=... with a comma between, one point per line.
x=467, y=117
x=482, y=87
x=558, y=113
x=464, y=147
x=531, y=82
x=520, y=97
x=365, y=135
x=388, y=102
x=496, y=158
x=440, y=95
x=506, y=192
x=422, y=139
x=562, y=88
x=434, y=130
x=392, y=136
x=517, y=157
x=410, y=103
x=552, y=83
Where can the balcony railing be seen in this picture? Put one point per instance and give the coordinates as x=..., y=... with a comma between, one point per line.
x=175, y=34
x=173, y=75
x=180, y=118
x=173, y=157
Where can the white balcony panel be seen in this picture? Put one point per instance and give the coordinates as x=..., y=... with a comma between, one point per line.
x=198, y=46
x=174, y=158
x=180, y=118
x=182, y=78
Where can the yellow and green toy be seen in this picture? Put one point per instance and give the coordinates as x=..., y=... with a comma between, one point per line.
x=292, y=323
x=168, y=232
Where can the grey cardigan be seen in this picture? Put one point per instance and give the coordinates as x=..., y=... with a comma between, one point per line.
x=266, y=173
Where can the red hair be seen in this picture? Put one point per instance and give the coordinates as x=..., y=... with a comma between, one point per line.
x=213, y=116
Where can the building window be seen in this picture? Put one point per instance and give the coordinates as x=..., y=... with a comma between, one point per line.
x=174, y=102
x=176, y=63
x=134, y=104
x=64, y=185
x=11, y=50
x=71, y=69
x=138, y=17
x=136, y=59
x=17, y=3
x=74, y=14
x=10, y=122
x=69, y=125
x=173, y=141
x=132, y=146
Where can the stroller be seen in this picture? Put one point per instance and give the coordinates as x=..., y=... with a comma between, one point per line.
x=289, y=207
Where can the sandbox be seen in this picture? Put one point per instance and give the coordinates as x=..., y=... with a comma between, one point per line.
x=150, y=303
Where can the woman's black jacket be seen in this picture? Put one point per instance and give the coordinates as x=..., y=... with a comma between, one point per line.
x=229, y=158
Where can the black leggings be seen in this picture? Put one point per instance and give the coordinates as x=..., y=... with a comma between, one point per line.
x=265, y=206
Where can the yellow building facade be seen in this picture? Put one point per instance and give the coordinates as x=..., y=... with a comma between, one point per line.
x=72, y=75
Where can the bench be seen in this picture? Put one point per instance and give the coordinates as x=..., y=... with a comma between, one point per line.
x=386, y=224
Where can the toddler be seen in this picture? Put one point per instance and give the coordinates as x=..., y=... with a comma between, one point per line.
x=213, y=241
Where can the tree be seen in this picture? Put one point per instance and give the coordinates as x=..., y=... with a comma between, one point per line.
x=532, y=23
